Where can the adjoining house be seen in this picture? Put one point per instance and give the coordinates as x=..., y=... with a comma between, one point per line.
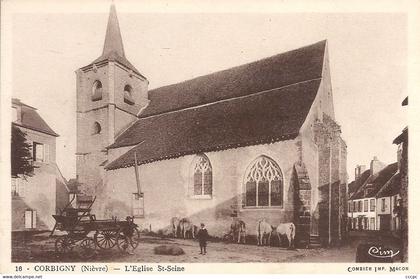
x=374, y=196
x=35, y=198
x=402, y=211
x=255, y=141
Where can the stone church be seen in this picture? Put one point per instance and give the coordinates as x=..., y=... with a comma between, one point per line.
x=255, y=141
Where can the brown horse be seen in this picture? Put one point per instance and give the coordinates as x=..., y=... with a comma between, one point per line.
x=187, y=228
x=238, y=231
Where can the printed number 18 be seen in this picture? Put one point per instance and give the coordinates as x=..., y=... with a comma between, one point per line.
x=18, y=268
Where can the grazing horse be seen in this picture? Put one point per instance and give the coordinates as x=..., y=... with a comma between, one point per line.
x=287, y=229
x=238, y=231
x=175, y=226
x=187, y=227
x=263, y=229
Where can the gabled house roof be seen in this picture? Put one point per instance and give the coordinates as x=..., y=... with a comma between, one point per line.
x=375, y=182
x=359, y=182
x=32, y=120
x=403, y=137
x=260, y=102
x=391, y=188
x=405, y=101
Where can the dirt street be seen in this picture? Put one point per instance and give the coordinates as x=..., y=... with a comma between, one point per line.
x=40, y=248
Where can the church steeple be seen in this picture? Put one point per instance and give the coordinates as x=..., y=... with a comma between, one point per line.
x=113, y=45
x=113, y=39
x=110, y=94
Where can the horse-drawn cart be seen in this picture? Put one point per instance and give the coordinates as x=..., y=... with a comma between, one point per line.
x=80, y=225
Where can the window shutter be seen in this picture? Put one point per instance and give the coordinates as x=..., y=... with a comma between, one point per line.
x=47, y=152
x=20, y=187
x=38, y=152
x=28, y=219
x=34, y=219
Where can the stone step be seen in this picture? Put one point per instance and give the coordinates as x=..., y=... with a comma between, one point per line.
x=314, y=241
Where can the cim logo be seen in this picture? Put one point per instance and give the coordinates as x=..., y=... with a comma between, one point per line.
x=379, y=252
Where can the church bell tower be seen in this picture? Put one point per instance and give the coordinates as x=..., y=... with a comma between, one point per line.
x=110, y=94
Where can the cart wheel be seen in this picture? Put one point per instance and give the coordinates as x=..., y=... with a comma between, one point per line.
x=64, y=244
x=105, y=239
x=135, y=238
x=88, y=247
x=122, y=242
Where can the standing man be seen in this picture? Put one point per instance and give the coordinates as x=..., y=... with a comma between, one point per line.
x=202, y=236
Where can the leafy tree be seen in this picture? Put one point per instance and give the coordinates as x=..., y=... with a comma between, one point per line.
x=21, y=157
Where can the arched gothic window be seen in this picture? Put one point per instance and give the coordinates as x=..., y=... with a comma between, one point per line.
x=97, y=91
x=263, y=184
x=203, y=176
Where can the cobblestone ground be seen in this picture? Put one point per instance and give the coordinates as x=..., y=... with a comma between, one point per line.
x=40, y=248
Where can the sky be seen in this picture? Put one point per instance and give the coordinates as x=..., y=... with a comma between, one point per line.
x=367, y=52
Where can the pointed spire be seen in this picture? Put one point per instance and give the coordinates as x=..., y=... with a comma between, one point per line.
x=113, y=46
x=113, y=40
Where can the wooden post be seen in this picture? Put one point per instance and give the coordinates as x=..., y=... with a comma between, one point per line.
x=136, y=170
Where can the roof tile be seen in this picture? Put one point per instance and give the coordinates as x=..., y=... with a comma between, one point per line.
x=257, y=119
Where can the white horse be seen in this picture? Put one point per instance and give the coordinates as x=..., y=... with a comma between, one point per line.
x=175, y=226
x=263, y=229
x=287, y=229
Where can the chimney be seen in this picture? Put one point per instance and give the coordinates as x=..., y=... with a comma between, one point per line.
x=376, y=166
x=358, y=171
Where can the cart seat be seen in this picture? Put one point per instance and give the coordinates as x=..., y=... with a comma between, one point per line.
x=85, y=201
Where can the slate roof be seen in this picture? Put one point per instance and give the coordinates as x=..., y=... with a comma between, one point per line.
x=391, y=188
x=375, y=182
x=356, y=184
x=113, y=56
x=32, y=120
x=263, y=118
x=273, y=72
x=261, y=102
x=403, y=137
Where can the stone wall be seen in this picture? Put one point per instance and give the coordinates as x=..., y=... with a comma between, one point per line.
x=332, y=180
x=166, y=189
x=39, y=194
x=111, y=112
x=44, y=191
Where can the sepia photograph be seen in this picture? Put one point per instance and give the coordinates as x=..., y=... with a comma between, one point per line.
x=146, y=136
